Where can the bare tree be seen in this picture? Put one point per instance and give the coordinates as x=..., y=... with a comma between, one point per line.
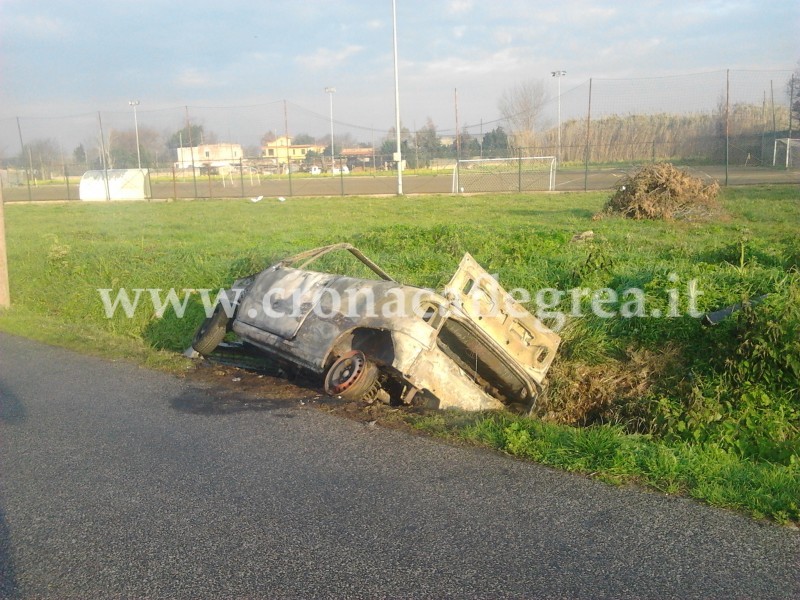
x=122, y=147
x=43, y=156
x=793, y=93
x=521, y=106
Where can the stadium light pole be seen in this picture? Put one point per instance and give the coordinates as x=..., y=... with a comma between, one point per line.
x=331, y=91
x=134, y=104
x=398, y=154
x=558, y=75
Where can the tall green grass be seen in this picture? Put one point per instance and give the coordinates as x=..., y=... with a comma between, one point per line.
x=728, y=395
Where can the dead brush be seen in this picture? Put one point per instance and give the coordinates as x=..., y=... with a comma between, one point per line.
x=612, y=392
x=661, y=191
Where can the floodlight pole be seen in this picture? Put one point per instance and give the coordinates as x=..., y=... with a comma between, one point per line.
x=331, y=91
x=398, y=154
x=134, y=104
x=558, y=75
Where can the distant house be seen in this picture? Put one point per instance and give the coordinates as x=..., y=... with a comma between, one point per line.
x=209, y=155
x=358, y=157
x=283, y=151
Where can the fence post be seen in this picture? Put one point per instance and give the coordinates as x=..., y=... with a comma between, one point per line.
x=66, y=180
x=341, y=176
x=105, y=157
x=241, y=176
x=727, y=121
x=22, y=150
x=791, y=108
x=191, y=152
x=519, y=171
x=586, y=152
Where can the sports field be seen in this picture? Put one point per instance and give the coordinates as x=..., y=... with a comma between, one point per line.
x=566, y=179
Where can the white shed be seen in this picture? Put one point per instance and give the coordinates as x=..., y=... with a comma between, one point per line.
x=121, y=184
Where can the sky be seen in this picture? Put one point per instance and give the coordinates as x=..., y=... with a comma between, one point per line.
x=62, y=61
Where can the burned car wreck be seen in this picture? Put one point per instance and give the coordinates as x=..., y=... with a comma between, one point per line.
x=471, y=347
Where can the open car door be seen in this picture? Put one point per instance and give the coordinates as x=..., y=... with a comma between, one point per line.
x=513, y=331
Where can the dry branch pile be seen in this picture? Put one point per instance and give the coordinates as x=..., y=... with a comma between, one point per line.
x=661, y=191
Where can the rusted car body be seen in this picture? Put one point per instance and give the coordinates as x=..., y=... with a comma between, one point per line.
x=471, y=347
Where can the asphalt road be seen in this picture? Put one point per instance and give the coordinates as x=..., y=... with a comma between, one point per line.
x=118, y=482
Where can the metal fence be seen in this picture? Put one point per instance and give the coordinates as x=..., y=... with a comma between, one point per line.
x=722, y=125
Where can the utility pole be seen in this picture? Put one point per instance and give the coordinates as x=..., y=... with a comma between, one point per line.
x=5, y=295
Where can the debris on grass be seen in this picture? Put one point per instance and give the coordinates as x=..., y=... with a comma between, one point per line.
x=611, y=392
x=583, y=237
x=662, y=191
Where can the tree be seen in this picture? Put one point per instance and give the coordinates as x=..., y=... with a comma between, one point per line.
x=79, y=155
x=521, y=106
x=189, y=136
x=43, y=156
x=389, y=145
x=469, y=144
x=495, y=143
x=122, y=149
x=268, y=138
x=151, y=146
x=793, y=93
x=303, y=139
x=313, y=157
x=342, y=141
x=123, y=152
x=427, y=140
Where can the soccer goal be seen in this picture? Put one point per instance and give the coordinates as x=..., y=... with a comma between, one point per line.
x=528, y=173
x=786, y=151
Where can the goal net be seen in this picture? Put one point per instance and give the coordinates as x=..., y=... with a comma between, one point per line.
x=529, y=173
x=786, y=153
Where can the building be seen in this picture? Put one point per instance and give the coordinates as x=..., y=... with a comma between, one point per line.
x=359, y=157
x=209, y=155
x=282, y=151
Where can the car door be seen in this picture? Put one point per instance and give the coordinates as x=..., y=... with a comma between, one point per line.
x=513, y=331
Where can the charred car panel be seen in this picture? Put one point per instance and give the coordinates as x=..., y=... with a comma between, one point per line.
x=472, y=347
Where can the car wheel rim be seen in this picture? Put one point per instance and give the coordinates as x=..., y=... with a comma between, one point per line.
x=346, y=372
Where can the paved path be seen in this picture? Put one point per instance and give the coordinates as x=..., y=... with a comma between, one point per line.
x=119, y=482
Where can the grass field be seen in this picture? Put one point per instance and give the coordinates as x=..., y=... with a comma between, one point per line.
x=710, y=412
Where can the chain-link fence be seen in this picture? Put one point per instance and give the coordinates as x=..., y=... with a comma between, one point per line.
x=732, y=126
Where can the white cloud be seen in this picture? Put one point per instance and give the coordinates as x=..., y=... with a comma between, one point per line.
x=192, y=77
x=325, y=56
x=459, y=6
x=37, y=26
x=505, y=60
